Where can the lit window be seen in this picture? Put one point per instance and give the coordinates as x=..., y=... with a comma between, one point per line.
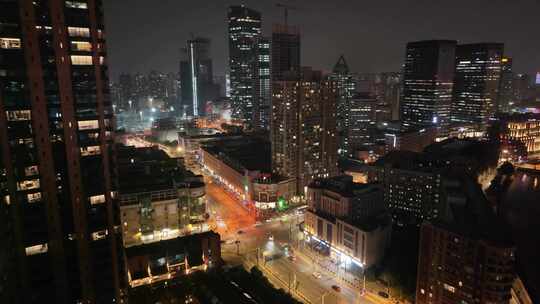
x=81, y=46
x=10, y=43
x=99, y=235
x=88, y=124
x=18, y=115
x=7, y=200
x=28, y=184
x=101, y=60
x=90, y=150
x=449, y=287
x=81, y=60
x=76, y=4
x=37, y=249
x=33, y=197
x=78, y=31
x=31, y=170
x=97, y=199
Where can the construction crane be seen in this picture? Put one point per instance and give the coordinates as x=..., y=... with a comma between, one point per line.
x=286, y=9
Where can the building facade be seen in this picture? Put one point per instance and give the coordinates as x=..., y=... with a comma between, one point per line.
x=412, y=191
x=410, y=140
x=161, y=214
x=524, y=128
x=197, y=78
x=476, y=83
x=458, y=268
x=249, y=179
x=427, y=84
x=345, y=86
x=362, y=121
x=349, y=218
x=262, y=86
x=57, y=132
x=285, y=52
x=303, y=130
x=244, y=35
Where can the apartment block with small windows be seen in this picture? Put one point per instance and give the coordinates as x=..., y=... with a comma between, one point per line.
x=56, y=137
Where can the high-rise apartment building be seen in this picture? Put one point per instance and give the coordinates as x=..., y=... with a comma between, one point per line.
x=345, y=86
x=427, y=84
x=476, y=83
x=285, y=52
x=56, y=138
x=467, y=256
x=505, y=99
x=244, y=41
x=196, y=77
x=303, y=129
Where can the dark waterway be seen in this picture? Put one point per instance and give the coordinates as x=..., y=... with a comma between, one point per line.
x=522, y=210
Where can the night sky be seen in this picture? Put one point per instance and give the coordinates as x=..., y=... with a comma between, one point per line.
x=148, y=34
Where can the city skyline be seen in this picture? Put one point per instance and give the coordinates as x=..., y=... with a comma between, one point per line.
x=381, y=29
x=269, y=152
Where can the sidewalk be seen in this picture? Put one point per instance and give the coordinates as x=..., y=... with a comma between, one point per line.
x=275, y=280
x=355, y=284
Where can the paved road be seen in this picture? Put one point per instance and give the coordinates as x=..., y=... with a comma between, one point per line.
x=229, y=217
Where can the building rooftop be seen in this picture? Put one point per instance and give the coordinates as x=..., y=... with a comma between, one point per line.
x=245, y=153
x=343, y=185
x=149, y=169
x=475, y=218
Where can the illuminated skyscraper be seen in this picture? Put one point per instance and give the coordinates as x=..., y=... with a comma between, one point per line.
x=196, y=77
x=345, y=86
x=244, y=35
x=285, y=52
x=476, y=83
x=362, y=115
x=427, y=84
x=506, y=87
x=56, y=136
x=262, y=86
x=303, y=128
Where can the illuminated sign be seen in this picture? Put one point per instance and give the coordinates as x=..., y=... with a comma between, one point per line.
x=537, y=78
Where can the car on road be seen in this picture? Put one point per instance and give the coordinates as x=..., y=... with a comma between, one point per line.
x=271, y=238
x=240, y=231
x=317, y=275
x=257, y=224
x=383, y=294
x=336, y=288
x=292, y=258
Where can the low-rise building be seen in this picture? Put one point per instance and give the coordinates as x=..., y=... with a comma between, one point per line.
x=190, y=146
x=350, y=219
x=411, y=140
x=169, y=258
x=522, y=127
x=242, y=166
x=163, y=216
